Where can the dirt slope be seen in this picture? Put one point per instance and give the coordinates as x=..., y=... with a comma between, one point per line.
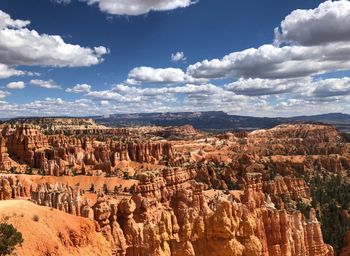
x=53, y=232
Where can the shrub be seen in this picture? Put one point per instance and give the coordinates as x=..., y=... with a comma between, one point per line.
x=10, y=237
x=105, y=189
x=126, y=176
x=36, y=218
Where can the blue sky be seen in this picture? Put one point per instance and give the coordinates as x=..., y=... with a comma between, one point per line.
x=132, y=69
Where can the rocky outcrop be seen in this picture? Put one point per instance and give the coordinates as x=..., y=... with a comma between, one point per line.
x=61, y=154
x=5, y=189
x=12, y=188
x=5, y=162
x=291, y=187
x=290, y=234
x=298, y=139
x=190, y=227
x=105, y=214
x=24, y=141
x=253, y=195
x=180, y=132
x=142, y=152
x=58, y=196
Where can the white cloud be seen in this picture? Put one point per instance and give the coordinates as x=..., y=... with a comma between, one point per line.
x=21, y=46
x=6, y=71
x=48, y=84
x=3, y=94
x=7, y=22
x=149, y=75
x=79, y=88
x=329, y=22
x=189, y=97
x=101, y=50
x=269, y=61
x=318, y=42
x=259, y=87
x=138, y=7
x=104, y=102
x=296, y=106
x=178, y=56
x=196, y=97
x=186, y=89
x=157, y=75
x=309, y=89
x=112, y=95
x=16, y=85
x=50, y=107
x=328, y=88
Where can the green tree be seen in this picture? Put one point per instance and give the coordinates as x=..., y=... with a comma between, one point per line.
x=10, y=237
x=126, y=176
x=105, y=189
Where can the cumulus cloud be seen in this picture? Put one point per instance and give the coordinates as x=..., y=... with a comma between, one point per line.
x=48, y=84
x=3, y=94
x=104, y=102
x=138, y=7
x=22, y=46
x=188, y=97
x=50, y=107
x=329, y=22
x=318, y=42
x=297, y=106
x=269, y=61
x=6, y=71
x=260, y=87
x=156, y=75
x=178, y=56
x=186, y=89
x=329, y=88
x=309, y=89
x=112, y=95
x=150, y=75
x=194, y=97
x=7, y=22
x=16, y=85
x=79, y=88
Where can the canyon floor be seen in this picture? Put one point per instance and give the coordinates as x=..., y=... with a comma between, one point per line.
x=72, y=187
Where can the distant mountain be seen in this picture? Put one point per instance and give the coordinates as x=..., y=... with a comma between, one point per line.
x=329, y=118
x=212, y=120
x=218, y=120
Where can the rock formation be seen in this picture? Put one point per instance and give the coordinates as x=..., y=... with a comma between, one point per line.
x=242, y=194
x=12, y=188
x=5, y=162
x=58, y=196
x=24, y=141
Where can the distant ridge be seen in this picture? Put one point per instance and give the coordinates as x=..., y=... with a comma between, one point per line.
x=219, y=120
x=332, y=117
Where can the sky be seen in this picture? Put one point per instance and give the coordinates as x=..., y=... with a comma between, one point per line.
x=100, y=57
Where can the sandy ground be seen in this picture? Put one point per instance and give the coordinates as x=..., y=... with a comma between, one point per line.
x=53, y=232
